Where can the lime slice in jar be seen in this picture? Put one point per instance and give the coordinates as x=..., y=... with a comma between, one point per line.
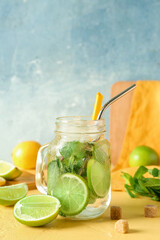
x=98, y=177
x=72, y=192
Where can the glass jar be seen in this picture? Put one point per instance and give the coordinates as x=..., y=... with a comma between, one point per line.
x=75, y=167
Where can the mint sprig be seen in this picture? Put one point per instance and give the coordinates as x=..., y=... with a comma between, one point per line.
x=75, y=156
x=138, y=185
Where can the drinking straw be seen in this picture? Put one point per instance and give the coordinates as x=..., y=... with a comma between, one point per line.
x=97, y=106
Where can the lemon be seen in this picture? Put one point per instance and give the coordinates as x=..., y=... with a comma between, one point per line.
x=24, y=155
x=143, y=156
x=2, y=181
x=8, y=170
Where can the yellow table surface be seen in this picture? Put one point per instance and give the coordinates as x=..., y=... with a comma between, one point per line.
x=101, y=228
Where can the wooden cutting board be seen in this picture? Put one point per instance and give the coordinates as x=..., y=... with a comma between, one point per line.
x=119, y=115
x=28, y=177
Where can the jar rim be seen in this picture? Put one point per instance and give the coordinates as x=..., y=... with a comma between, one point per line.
x=79, y=118
x=79, y=124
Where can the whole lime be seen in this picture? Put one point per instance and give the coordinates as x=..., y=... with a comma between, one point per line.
x=143, y=156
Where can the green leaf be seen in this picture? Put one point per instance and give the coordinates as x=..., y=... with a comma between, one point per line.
x=152, y=182
x=129, y=191
x=128, y=179
x=154, y=172
x=100, y=152
x=140, y=172
x=74, y=148
x=142, y=186
x=139, y=185
x=155, y=198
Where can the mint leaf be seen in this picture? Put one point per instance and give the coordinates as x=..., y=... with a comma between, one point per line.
x=154, y=172
x=129, y=191
x=100, y=152
x=128, y=178
x=73, y=148
x=142, y=186
x=75, y=156
x=53, y=173
x=140, y=172
x=66, y=151
x=139, y=185
x=152, y=182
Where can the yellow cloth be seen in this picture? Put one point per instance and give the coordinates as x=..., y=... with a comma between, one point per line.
x=144, y=121
x=143, y=127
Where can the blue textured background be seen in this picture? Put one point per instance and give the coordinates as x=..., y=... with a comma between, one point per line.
x=56, y=54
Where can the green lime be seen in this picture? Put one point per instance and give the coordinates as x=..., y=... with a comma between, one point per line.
x=53, y=173
x=9, y=195
x=36, y=210
x=72, y=192
x=143, y=156
x=98, y=177
x=8, y=170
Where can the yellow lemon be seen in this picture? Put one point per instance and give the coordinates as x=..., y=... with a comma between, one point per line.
x=24, y=155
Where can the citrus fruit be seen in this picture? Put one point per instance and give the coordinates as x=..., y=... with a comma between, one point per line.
x=2, y=181
x=9, y=195
x=143, y=156
x=98, y=176
x=24, y=155
x=72, y=192
x=36, y=210
x=8, y=170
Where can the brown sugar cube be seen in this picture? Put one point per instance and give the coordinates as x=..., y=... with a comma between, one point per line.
x=150, y=211
x=122, y=226
x=115, y=213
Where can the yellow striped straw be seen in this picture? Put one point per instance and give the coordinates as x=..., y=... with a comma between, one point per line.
x=97, y=105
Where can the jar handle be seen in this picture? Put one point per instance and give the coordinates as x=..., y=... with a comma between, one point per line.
x=39, y=170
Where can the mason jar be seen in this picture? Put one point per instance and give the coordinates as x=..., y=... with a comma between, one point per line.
x=75, y=167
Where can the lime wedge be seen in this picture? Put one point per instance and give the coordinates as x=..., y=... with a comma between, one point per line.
x=98, y=178
x=9, y=195
x=2, y=181
x=8, y=170
x=72, y=192
x=36, y=210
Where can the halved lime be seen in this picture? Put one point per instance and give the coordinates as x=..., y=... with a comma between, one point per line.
x=9, y=195
x=98, y=177
x=2, y=181
x=9, y=171
x=36, y=210
x=72, y=192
